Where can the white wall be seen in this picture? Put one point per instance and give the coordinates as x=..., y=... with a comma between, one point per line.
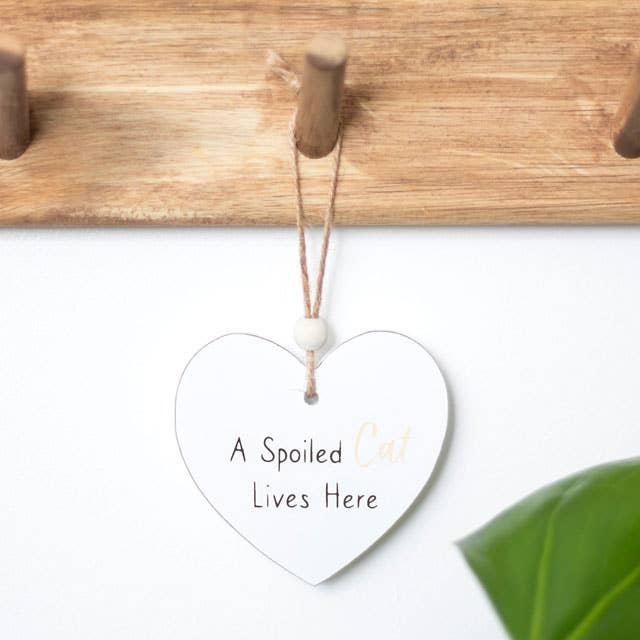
x=103, y=534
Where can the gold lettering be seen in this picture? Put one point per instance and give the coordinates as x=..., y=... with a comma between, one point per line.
x=365, y=425
x=403, y=450
x=368, y=432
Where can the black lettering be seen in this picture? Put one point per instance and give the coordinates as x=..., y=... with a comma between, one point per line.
x=238, y=448
x=266, y=446
x=328, y=493
x=255, y=498
x=282, y=457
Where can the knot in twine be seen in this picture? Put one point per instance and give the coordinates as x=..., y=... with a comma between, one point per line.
x=284, y=71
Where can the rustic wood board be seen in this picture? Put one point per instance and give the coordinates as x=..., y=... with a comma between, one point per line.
x=457, y=112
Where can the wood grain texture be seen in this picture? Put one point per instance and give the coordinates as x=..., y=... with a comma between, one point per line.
x=457, y=112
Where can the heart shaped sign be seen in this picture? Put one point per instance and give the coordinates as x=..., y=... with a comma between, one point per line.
x=311, y=486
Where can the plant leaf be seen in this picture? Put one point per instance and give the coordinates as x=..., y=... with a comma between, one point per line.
x=564, y=564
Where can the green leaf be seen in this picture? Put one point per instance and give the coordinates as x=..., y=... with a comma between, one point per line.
x=564, y=564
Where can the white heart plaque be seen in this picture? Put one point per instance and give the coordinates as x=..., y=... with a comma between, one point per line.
x=311, y=486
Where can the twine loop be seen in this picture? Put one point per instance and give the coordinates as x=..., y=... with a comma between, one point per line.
x=284, y=71
x=309, y=310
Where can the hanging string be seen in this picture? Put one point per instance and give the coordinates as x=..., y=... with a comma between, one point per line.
x=284, y=71
x=309, y=310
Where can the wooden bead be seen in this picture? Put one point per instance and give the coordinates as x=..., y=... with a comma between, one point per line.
x=310, y=333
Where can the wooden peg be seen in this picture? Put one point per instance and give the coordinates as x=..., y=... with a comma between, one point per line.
x=320, y=96
x=14, y=107
x=626, y=124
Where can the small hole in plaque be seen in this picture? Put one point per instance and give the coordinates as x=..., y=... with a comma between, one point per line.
x=311, y=399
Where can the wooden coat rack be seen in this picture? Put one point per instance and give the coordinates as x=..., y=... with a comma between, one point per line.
x=455, y=112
